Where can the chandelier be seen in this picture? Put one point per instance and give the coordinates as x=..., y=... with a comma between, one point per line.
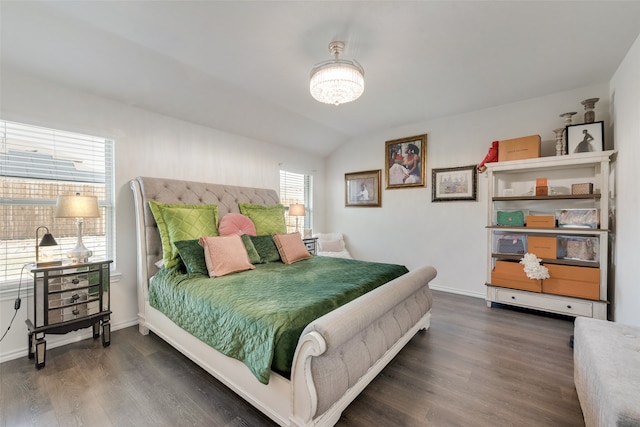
x=337, y=81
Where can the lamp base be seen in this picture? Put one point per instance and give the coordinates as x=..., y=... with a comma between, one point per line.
x=79, y=255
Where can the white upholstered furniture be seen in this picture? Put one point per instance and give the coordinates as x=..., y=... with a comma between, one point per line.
x=337, y=355
x=332, y=245
x=607, y=372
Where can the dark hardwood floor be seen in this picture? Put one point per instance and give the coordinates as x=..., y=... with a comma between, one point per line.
x=475, y=366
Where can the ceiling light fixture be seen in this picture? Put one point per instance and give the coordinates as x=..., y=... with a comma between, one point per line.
x=337, y=81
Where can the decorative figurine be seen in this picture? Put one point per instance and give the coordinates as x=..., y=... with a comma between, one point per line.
x=560, y=147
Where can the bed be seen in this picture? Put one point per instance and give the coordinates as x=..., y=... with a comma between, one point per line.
x=337, y=355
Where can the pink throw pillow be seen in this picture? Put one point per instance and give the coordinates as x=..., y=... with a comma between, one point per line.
x=291, y=247
x=330, y=245
x=225, y=255
x=235, y=223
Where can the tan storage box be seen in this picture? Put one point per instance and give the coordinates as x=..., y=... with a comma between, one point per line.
x=541, y=221
x=527, y=147
x=511, y=275
x=572, y=281
x=584, y=188
x=543, y=246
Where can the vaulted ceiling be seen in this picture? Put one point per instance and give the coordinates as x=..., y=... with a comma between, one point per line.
x=243, y=66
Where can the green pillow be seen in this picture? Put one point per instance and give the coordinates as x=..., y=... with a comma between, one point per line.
x=267, y=219
x=192, y=255
x=266, y=248
x=182, y=222
x=254, y=256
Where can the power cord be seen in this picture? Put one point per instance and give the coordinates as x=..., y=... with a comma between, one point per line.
x=16, y=304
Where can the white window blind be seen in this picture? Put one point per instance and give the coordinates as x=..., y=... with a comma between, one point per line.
x=36, y=166
x=296, y=188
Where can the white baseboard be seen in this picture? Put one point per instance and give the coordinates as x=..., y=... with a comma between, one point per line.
x=457, y=291
x=60, y=340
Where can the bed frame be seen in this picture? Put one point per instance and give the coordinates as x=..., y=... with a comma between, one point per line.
x=337, y=355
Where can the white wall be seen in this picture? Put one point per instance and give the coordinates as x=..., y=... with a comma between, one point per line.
x=451, y=236
x=146, y=144
x=625, y=112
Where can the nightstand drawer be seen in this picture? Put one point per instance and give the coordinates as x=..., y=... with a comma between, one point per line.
x=72, y=312
x=61, y=283
x=67, y=298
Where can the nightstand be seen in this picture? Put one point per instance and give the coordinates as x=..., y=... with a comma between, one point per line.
x=311, y=244
x=66, y=298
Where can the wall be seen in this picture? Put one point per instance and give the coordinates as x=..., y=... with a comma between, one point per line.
x=451, y=236
x=625, y=112
x=146, y=144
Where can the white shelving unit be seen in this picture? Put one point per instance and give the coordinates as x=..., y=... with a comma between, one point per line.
x=518, y=178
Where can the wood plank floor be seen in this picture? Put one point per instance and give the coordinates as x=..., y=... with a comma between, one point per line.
x=475, y=366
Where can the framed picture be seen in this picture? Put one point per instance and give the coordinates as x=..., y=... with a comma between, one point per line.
x=585, y=137
x=451, y=184
x=362, y=188
x=405, y=160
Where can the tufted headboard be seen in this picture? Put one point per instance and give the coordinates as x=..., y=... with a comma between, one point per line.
x=163, y=190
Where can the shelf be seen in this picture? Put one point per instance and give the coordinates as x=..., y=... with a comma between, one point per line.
x=518, y=257
x=594, y=196
x=556, y=230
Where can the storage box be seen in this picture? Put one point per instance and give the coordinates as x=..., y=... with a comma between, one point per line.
x=584, y=188
x=581, y=248
x=541, y=221
x=542, y=191
x=505, y=243
x=542, y=246
x=578, y=218
x=526, y=147
x=510, y=274
x=572, y=281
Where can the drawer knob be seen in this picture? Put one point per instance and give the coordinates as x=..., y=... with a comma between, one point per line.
x=513, y=297
x=75, y=297
x=75, y=311
x=569, y=307
x=75, y=281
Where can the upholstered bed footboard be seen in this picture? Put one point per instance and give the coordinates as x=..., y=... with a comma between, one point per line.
x=356, y=341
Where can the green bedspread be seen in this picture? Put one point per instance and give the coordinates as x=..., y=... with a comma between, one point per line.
x=257, y=316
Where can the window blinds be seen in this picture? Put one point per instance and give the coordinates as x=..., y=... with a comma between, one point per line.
x=296, y=188
x=36, y=165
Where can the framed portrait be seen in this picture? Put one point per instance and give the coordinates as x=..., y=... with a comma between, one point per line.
x=451, y=184
x=585, y=137
x=362, y=189
x=405, y=161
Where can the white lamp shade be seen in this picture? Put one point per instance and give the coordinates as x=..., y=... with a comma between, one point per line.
x=77, y=206
x=296, y=210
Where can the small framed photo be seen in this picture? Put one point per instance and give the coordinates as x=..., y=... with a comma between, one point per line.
x=585, y=138
x=362, y=189
x=452, y=184
x=405, y=161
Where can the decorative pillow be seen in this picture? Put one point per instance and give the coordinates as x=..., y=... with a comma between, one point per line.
x=291, y=247
x=267, y=219
x=330, y=245
x=192, y=255
x=224, y=255
x=266, y=248
x=254, y=256
x=235, y=223
x=182, y=222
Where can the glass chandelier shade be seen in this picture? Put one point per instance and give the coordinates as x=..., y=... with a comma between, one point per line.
x=337, y=81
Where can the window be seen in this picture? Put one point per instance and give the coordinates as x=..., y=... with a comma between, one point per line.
x=37, y=165
x=296, y=188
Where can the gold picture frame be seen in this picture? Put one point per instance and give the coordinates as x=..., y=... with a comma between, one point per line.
x=362, y=189
x=406, y=162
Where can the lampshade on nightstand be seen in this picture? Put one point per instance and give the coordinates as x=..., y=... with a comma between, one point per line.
x=296, y=210
x=78, y=207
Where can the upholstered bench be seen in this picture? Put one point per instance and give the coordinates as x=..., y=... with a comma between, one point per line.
x=607, y=372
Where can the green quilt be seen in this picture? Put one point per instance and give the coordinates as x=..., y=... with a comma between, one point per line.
x=257, y=316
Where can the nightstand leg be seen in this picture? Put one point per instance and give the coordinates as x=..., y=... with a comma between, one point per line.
x=41, y=352
x=96, y=330
x=106, y=334
x=30, y=348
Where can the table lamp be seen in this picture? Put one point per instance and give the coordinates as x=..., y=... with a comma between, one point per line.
x=78, y=207
x=296, y=210
x=47, y=240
